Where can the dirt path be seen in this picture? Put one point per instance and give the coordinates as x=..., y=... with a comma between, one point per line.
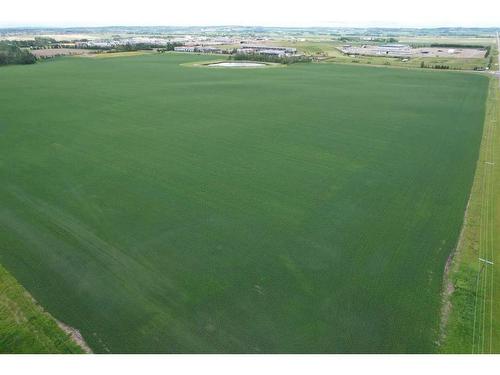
x=75, y=335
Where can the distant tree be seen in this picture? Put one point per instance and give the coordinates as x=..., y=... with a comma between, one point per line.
x=441, y=66
x=171, y=46
x=488, y=51
x=26, y=57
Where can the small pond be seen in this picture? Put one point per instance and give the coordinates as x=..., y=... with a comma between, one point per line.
x=238, y=64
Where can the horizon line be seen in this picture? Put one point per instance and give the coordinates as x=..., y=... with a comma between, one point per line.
x=24, y=26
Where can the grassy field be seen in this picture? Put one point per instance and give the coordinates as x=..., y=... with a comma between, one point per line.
x=164, y=208
x=474, y=318
x=430, y=62
x=24, y=326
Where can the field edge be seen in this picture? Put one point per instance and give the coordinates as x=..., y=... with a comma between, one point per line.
x=463, y=270
x=25, y=327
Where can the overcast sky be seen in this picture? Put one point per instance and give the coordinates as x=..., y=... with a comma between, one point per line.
x=414, y=13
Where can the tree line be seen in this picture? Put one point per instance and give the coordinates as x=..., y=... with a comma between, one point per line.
x=270, y=58
x=457, y=45
x=12, y=54
x=437, y=66
x=36, y=43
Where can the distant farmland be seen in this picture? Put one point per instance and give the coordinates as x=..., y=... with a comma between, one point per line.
x=164, y=208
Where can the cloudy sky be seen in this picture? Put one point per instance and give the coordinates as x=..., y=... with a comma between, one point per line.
x=420, y=13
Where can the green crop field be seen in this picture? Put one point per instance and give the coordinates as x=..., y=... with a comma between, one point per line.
x=158, y=207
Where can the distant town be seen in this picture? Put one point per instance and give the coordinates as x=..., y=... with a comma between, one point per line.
x=446, y=48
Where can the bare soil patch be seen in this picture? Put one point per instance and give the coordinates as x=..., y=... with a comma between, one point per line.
x=53, y=52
